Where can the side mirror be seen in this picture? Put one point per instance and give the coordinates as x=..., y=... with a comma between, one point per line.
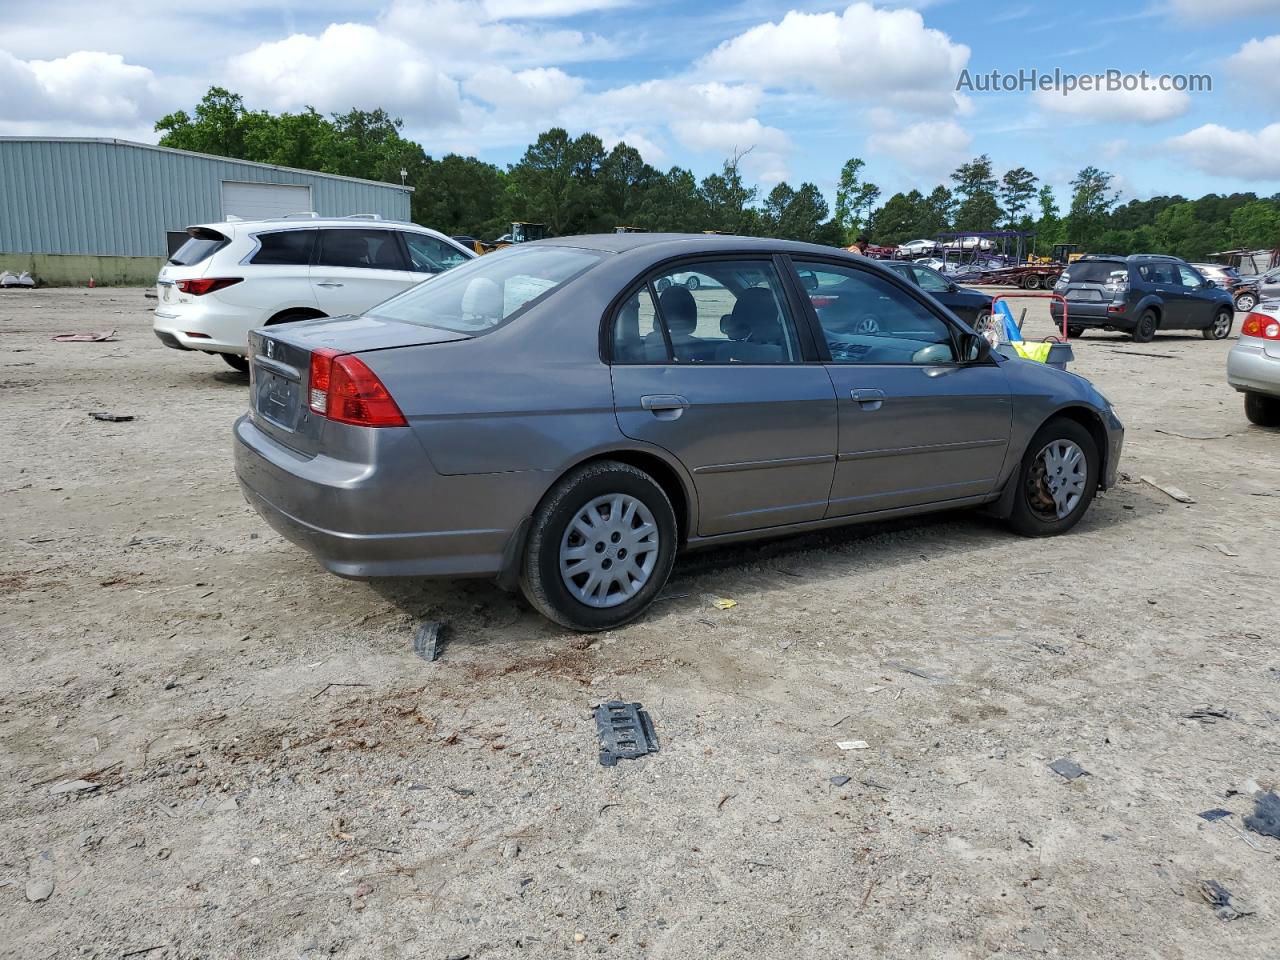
x=976, y=348
x=1207, y=284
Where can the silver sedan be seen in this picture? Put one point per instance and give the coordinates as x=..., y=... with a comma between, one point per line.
x=1253, y=365
x=565, y=416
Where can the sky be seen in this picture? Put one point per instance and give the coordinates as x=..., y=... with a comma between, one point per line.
x=798, y=87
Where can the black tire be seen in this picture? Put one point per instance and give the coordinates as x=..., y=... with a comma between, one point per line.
x=1144, y=330
x=1220, y=329
x=692, y=282
x=1031, y=281
x=540, y=577
x=1029, y=518
x=1246, y=302
x=236, y=362
x=1075, y=332
x=1262, y=409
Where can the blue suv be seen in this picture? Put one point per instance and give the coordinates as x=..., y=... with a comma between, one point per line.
x=1141, y=294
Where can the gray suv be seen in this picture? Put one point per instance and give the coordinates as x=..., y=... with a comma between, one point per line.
x=1141, y=294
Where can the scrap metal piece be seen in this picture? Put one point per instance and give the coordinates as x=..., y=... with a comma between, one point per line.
x=427, y=642
x=625, y=732
x=1169, y=490
x=1265, y=818
x=1217, y=813
x=112, y=417
x=1068, y=769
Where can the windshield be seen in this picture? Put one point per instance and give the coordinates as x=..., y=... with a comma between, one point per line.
x=486, y=292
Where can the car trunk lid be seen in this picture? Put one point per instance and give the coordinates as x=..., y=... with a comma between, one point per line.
x=1096, y=281
x=280, y=369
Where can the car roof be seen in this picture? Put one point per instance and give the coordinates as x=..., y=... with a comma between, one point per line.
x=302, y=222
x=674, y=244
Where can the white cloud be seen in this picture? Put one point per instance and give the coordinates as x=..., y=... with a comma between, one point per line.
x=1116, y=106
x=540, y=89
x=1258, y=63
x=886, y=56
x=1218, y=9
x=86, y=88
x=531, y=9
x=1238, y=153
x=931, y=147
x=644, y=141
x=349, y=65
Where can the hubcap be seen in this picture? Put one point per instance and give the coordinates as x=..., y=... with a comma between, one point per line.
x=609, y=550
x=1221, y=326
x=1057, y=479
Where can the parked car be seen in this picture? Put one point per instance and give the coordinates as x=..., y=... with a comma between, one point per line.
x=233, y=276
x=544, y=415
x=1253, y=365
x=917, y=248
x=691, y=281
x=1243, y=290
x=1269, y=285
x=971, y=306
x=1141, y=294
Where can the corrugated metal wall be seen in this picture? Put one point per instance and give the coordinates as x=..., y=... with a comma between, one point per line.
x=111, y=198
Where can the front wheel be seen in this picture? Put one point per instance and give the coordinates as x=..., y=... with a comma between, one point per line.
x=1262, y=409
x=982, y=322
x=1145, y=329
x=236, y=362
x=1246, y=302
x=1056, y=481
x=601, y=546
x=1031, y=281
x=692, y=282
x=1220, y=329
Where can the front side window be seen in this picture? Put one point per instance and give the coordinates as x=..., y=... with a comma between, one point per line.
x=360, y=249
x=284, y=248
x=933, y=282
x=429, y=255
x=735, y=312
x=1189, y=277
x=868, y=320
x=485, y=292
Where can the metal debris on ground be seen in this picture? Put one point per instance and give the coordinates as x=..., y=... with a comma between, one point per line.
x=625, y=732
x=1217, y=813
x=98, y=337
x=723, y=603
x=840, y=780
x=852, y=744
x=1209, y=714
x=917, y=672
x=73, y=786
x=1169, y=490
x=1265, y=818
x=428, y=641
x=1068, y=769
x=1225, y=905
x=112, y=417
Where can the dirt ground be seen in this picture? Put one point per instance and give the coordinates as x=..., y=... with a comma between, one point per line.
x=270, y=771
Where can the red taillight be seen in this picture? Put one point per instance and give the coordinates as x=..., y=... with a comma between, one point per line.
x=202, y=285
x=342, y=388
x=1261, y=325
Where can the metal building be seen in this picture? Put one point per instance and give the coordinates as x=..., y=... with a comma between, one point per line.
x=73, y=207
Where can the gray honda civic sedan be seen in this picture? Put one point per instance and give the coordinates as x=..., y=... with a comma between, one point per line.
x=564, y=417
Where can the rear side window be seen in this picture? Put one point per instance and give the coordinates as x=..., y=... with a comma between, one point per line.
x=637, y=334
x=361, y=249
x=196, y=250
x=285, y=248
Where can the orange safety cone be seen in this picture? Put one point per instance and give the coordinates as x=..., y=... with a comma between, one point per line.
x=90, y=283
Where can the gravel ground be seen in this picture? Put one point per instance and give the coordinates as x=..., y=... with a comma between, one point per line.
x=270, y=771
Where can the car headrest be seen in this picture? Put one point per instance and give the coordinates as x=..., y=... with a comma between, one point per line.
x=482, y=299
x=679, y=309
x=757, y=310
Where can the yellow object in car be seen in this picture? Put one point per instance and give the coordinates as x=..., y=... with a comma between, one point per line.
x=1038, y=352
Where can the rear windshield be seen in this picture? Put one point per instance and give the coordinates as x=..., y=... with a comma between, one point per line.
x=484, y=293
x=1095, y=271
x=195, y=250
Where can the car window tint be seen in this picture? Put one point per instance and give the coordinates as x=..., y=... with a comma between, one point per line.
x=866, y=319
x=284, y=248
x=362, y=249
x=637, y=335
x=1156, y=272
x=1093, y=271
x=734, y=312
x=196, y=250
x=1189, y=277
x=931, y=281
x=429, y=255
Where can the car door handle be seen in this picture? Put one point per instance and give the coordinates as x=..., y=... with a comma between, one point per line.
x=868, y=398
x=328, y=283
x=665, y=406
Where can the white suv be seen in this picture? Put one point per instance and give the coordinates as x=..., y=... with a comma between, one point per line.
x=233, y=277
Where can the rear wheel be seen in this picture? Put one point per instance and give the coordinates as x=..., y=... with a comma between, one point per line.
x=236, y=362
x=1262, y=409
x=1056, y=481
x=692, y=282
x=601, y=546
x=1145, y=329
x=1220, y=329
x=1074, y=331
x=982, y=322
x=1031, y=281
x=1246, y=302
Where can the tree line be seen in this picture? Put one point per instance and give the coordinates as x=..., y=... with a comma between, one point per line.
x=576, y=185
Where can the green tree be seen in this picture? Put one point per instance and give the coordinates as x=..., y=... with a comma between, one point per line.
x=854, y=199
x=461, y=195
x=1256, y=225
x=221, y=126
x=728, y=199
x=978, y=210
x=1091, y=202
x=1017, y=191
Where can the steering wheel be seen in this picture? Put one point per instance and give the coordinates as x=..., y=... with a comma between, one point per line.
x=868, y=324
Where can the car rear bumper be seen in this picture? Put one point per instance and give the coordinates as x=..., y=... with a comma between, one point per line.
x=1087, y=313
x=402, y=519
x=205, y=325
x=1250, y=368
